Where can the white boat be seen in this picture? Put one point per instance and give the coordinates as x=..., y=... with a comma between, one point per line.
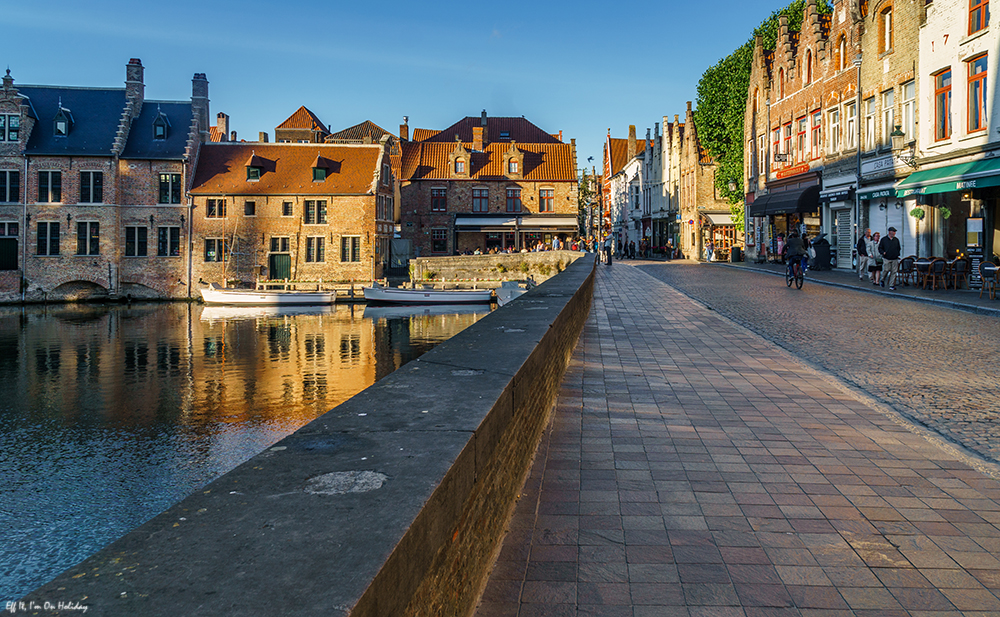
x=511, y=290
x=219, y=312
x=214, y=294
x=400, y=311
x=394, y=295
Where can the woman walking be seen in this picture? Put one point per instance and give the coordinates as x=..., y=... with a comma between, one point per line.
x=874, y=263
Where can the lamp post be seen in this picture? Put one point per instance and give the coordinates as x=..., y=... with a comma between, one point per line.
x=857, y=116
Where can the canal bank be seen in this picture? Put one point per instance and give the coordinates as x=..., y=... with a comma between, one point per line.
x=361, y=513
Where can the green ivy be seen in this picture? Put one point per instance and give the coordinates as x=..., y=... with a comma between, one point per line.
x=722, y=102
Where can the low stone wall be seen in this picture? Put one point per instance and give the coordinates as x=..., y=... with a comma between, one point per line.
x=502, y=267
x=393, y=503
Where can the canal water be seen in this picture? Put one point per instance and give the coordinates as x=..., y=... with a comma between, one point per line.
x=108, y=416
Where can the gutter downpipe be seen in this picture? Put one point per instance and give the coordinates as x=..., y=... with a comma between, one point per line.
x=857, y=190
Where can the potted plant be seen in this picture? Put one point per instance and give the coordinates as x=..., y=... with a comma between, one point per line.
x=945, y=212
x=917, y=213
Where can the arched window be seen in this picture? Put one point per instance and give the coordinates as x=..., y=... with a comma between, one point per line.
x=842, y=53
x=809, y=66
x=781, y=83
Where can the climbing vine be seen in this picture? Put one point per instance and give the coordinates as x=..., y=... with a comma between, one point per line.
x=722, y=103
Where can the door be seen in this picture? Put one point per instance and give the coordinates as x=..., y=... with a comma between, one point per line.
x=8, y=253
x=280, y=266
x=844, y=243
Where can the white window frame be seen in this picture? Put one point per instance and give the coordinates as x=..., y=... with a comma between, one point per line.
x=833, y=132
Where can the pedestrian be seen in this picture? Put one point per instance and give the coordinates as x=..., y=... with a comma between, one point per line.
x=862, y=249
x=607, y=249
x=631, y=249
x=781, y=246
x=889, y=249
x=874, y=259
x=709, y=251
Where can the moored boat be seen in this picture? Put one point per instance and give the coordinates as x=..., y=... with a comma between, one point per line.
x=512, y=290
x=393, y=295
x=214, y=294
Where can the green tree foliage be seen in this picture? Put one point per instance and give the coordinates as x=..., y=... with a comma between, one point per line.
x=722, y=101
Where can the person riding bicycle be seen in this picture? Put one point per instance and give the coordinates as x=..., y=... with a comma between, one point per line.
x=795, y=249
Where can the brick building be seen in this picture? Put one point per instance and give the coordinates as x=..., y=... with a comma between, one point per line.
x=487, y=183
x=297, y=211
x=92, y=189
x=705, y=215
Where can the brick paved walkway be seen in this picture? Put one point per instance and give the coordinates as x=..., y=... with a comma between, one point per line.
x=692, y=468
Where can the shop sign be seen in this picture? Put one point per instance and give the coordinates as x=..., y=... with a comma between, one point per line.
x=793, y=171
x=882, y=166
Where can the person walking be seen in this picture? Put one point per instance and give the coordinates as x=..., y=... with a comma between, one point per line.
x=889, y=248
x=607, y=249
x=874, y=259
x=862, y=249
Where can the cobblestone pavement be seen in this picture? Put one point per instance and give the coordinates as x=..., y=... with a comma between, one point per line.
x=934, y=364
x=692, y=468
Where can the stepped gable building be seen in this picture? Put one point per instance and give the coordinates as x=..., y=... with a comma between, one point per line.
x=93, y=189
x=290, y=211
x=302, y=127
x=487, y=183
x=705, y=215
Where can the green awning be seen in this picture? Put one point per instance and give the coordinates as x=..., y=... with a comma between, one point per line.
x=961, y=177
x=879, y=194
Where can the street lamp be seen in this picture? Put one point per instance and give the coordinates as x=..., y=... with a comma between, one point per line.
x=897, y=148
x=732, y=186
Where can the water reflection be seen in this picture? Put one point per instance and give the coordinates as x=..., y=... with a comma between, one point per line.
x=110, y=415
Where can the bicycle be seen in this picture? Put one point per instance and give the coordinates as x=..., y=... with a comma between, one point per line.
x=795, y=272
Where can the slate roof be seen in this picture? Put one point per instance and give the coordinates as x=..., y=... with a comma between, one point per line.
x=516, y=129
x=545, y=161
x=360, y=131
x=303, y=119
x=96, y=113
x=286, y=169
x=141, y=145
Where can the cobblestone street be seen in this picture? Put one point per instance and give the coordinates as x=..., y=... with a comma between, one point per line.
x=936, y=365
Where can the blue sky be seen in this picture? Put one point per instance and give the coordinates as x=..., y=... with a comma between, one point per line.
x=577, y=67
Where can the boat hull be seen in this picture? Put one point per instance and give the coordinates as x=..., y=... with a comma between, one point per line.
x=392, y=295
x=247, y=297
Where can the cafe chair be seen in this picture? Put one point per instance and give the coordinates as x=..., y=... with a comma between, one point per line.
x=907, y=272
x=959, y=271
x=988, y=274
x=936, y=274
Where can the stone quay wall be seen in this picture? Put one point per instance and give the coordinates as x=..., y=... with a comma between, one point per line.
x=502, y=267
x=394, y=503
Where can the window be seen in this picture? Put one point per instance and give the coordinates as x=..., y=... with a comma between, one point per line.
x=809, y=66
x=279, y=244
x=253, y=173
x=350, y=248
x=512, y=166
x=215, y=208
x=8, y=229
x=170, y=189
x=49, y=186
x=817, y=134
x=159, y=129
x=888, y=116
x=439, y=200
x=60, y=126
x=480, y=200
x=977, y=93
x=513, y=200
x=10, y=127
x=841, y=63
x=286, y=209
x=439, y=240
x=851, y=134
x=48, y=239
x=833, y=117
x=459, y=166
x=91, y=187
x=762, y=155
x=546, y=199
x=801, y=146
x=88, y=238
x=135, y=241
x=315, y=252
x=870, y=142
x=979, y=15
x=942, y=105
x=775, y=146
x=788, y=143
x=504, y=134
x=319, y=174
x=885, y=30
x=249, y=208
x=215, y=250
x=168, y=242
x=909, y=110
x=315, y=212
x=386, y=174
x=10, y=185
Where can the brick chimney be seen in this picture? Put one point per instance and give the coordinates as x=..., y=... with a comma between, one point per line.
x=135, y=90
x=262, y=137
x=199, y=102
x=631, y=142
x=646, y=145
x=404, y=129
x=477, y=138
x=482, y=123
x=232, y=135
x=222, y=125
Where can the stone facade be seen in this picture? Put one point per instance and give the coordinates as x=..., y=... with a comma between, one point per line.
x=698, y=197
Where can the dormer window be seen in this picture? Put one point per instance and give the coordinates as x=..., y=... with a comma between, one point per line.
x=255, y=166
x=321, y=168
x=459, y=166
x=319, y=174
x=62, y=123
x=512, y=166
x=253, y=173
x=10, y=127
x=161, y=125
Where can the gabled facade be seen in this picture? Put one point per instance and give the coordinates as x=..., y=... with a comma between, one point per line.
x=705, y=215
x=302, y=127
x=94, y=189
x=622, y=186
x=475, y=185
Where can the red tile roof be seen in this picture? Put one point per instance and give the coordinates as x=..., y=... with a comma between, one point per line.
x=303, y=119
x=619, y=152
x=286, y=169
x=215, y=134
x=359, y=132
x=424, y=134
x=545, y=161
x=515, y=129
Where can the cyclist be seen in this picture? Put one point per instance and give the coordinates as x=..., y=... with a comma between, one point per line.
x=795, y=252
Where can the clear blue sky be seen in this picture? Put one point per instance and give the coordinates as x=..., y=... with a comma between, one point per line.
x=577, y=67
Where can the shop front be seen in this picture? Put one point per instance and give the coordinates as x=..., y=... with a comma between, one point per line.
x=837, y=203
x=791, y=206
x=718, y=228
x=506, y=232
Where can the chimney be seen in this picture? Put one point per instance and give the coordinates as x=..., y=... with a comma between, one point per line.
x=486, y=136
x=222, y=125
x=232, y=136
x=199, y=102
x=560, y=134
x=135, y=90
x=404, y=129
x=646, y=144
x=477, y=138
x=262, y=137
x=631, y=142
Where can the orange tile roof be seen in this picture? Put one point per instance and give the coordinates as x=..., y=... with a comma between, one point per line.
x=215, y=134
x=359, y=131
x=303, y=119
x=516, y=129
x=619, y=152
x=286, y=169
x=429, y=160
x=424, y=134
